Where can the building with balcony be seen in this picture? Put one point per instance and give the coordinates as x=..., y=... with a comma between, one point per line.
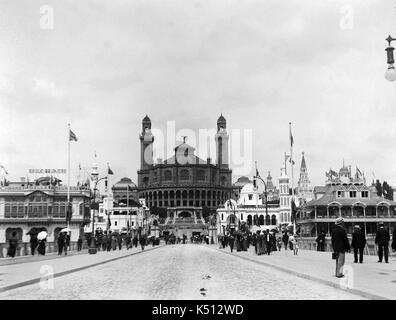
x=42, y=204
x=347, y=196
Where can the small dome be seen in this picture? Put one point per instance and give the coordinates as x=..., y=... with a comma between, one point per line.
x=125, y=182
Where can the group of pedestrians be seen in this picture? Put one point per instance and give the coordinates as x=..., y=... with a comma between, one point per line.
x=238, y=239
x=63, y=242
x=264, y=242
x=108, y=241
x=341, y=245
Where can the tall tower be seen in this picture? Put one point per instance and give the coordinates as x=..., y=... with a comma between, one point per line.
x=304, y=189
x=221, y=139
x=146, y=144
x=284, y=197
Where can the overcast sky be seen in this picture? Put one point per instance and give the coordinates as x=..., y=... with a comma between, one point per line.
x=106, y=64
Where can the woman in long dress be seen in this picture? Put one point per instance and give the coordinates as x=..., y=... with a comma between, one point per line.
x=13, y=241
x=41, y=246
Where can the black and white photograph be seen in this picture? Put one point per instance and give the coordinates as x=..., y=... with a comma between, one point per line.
x=193, y=150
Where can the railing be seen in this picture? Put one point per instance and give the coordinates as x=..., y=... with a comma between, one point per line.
x=309, y=243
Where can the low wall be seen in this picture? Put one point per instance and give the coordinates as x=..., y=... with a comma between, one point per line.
x=309, y=243
x=24, y=248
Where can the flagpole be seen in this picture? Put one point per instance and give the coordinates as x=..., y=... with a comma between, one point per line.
x=256, y=190
x=68, y=177
x=292, y=173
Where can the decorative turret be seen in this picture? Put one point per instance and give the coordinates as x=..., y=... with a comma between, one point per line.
x=221, y=139
x=221, y=122
x=304, y=190
x=146, y=144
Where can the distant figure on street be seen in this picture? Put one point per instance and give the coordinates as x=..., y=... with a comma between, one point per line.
x=142, y=241
x=268, y=242
x=321, y=240
x=13, y=244
x=104, y=242
x=41, y=246
x=128, y=240
x=119, y=241
x=109, y=241
x=61, y=243
x=79, y=244
x=382, y=239
x=231, y=241
x=285, y=239
x=358, y=244
x=340, y=243
x=294, y=244
x=279, y=243
x=33, y=243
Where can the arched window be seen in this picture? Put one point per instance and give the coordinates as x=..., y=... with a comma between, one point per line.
x=168, y=175
x=145, y=181
x=267, y=220
x=222, y=180
x=273, y=220
x=261, y=220
x=184, y=175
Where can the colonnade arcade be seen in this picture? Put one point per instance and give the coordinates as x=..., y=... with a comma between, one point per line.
x=185, y=197
x=356, y=210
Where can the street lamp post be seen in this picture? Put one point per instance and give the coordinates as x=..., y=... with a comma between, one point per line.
x=265, y=193
x=233, y=208
x=92, y=248
x=390, y=73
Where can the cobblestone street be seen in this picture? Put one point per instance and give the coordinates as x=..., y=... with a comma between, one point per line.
x=172, y=272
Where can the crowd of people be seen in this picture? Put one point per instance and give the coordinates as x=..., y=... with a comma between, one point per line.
x=108, y=241
x=263, y=241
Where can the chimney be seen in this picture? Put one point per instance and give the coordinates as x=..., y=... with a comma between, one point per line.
x=208, y=160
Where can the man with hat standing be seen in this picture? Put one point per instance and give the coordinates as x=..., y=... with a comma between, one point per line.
x=382, y=239
x=340, y=243
x=358, y=243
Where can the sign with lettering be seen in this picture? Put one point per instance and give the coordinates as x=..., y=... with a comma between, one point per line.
x=48, y=171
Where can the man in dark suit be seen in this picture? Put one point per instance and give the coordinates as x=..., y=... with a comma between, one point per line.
x=382, y=239
x=340, y=243
x=358, y=243
x=320, y=240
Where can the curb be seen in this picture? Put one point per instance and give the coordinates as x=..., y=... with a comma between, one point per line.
x=364, y=294
x=63, y=273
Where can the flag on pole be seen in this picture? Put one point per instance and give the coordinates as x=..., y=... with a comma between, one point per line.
x=2, y=167
x=291, y=135
x=72, y=136
x=109, y=171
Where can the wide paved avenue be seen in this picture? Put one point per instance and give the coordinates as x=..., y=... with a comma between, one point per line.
x=171, y=272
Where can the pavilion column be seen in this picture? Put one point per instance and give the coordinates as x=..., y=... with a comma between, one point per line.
x=316, y=229
x=364, y=211
x=376, y=211
x=316, y=213
x=328, y=213
x=339, y=211
x=388, y=213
